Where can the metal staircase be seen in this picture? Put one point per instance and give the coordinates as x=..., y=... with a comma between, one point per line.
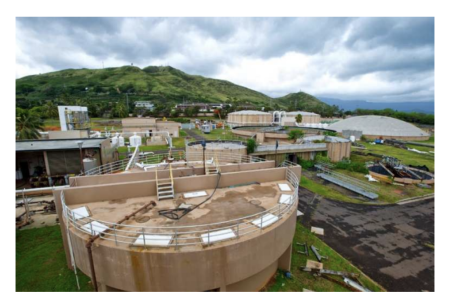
x=213, y=168
x=164, y=187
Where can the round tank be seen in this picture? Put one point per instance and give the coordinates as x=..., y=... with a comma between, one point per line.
x=352, y=138
x=89, y=163
x=114, y=140
x=121, y=141
x=135, y=140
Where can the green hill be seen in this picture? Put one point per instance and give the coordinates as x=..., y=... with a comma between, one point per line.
x=159, y=84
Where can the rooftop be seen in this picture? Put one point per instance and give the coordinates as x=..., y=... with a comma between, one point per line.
x=58, y=144
x=378, y=125
x=251, y=112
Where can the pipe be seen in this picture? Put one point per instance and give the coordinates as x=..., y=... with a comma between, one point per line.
x=92, y=239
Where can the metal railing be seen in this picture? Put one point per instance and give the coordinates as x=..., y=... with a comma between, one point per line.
x=347, y=179
x=182, y=157
x=188, y=235
x=293, y=147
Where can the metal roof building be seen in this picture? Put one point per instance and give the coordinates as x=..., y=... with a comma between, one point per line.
x=373, y=126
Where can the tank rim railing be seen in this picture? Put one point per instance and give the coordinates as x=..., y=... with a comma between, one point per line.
x=127, y=234
x=122, y=165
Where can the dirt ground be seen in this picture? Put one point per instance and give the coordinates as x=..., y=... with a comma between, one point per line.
x=393, y=244
x=38, y=217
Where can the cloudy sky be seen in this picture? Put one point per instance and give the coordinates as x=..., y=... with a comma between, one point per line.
x=375, y=59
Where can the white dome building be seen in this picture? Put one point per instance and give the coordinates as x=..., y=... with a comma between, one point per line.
x=374, y=126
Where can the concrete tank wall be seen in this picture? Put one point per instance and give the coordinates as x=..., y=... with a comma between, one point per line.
x=249, y=119
x=244, y=265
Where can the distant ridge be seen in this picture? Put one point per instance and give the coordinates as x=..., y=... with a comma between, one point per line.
x=420, y=107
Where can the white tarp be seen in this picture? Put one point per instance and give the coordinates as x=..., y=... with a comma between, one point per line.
x=285, y=199
x=218, y=236
x=195, y=194
x=370, y=178
x=153, y=240
x=80, y=213
x=97, y=227
x=284, y=187
x=267, y=220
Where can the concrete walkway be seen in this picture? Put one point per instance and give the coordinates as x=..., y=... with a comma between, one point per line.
x=193, y=134
x=393, y=244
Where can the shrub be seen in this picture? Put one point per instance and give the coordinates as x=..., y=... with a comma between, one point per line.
x=306, y=164
x=363, y=138
x=352, y=166
x=296, y=134
x=251, y=145
x=329, y=133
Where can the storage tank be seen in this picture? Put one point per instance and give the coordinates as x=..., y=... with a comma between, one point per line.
x=89, y=163
x=135, y=140
x=115, y=140
x=121, y=141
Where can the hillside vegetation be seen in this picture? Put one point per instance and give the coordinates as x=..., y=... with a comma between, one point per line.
x=162, y=85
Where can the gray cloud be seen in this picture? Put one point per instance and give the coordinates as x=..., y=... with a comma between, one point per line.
x=349, y=57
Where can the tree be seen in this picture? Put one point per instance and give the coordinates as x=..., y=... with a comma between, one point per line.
x=120, y=110
x=299, y=118
x=251, y=145
x=28, y=125
x=296, y=134
x=51, y=110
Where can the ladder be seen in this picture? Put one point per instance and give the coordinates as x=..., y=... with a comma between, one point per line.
x=164, y=187
x=213, y=168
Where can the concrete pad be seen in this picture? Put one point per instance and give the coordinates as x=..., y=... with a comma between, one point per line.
x=307, y=290
x=314, y=264
x=317, y=231
x=299, y=213
x=218, y=236
x=153, y=240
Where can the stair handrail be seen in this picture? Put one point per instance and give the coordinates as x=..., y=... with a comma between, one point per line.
x=171, y=175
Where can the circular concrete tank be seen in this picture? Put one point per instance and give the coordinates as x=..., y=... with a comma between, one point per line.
x=220, y=148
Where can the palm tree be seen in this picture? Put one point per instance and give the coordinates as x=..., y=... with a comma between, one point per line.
x=27, y=125
x=51, y=110
x=121, y=110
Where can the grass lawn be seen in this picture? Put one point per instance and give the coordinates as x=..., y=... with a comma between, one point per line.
x=391, y=193
x=407, y=157
x=324, y=190
x=306, y=280
x=217, y=134
x=41, y=262
x=97, y=124
x=177, y=142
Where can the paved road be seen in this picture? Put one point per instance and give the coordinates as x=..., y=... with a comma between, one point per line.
x=385, y=242
x=194, y=135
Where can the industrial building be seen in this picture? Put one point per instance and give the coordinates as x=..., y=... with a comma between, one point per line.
x=374, y=126
x=59, y=158
x=281, y=118
x=149, y=125
x=73, y=118
x=249, y=118
x=218, y=221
